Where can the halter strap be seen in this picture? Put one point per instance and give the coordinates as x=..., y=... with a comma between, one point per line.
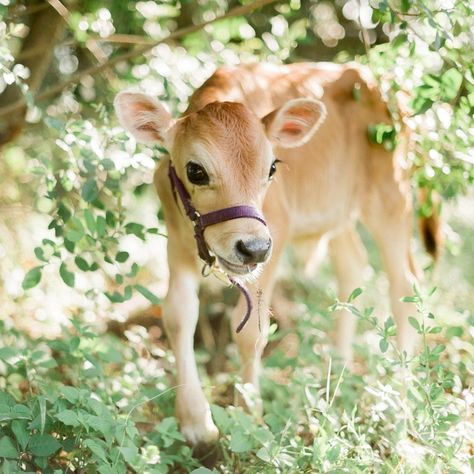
x=211, y=218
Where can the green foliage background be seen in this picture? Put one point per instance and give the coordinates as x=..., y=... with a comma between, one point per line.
x=82, y=242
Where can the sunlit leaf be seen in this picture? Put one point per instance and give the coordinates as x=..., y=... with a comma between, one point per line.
x=32, y=278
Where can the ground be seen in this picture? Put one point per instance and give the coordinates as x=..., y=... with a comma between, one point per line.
x=75, y=398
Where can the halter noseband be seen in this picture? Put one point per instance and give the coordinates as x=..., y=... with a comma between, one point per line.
x=215, y=217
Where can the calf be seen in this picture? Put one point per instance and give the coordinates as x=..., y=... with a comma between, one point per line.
x=282, y=152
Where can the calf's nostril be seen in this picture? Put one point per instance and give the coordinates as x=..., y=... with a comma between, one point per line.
x=253, y=251
x=242, y=250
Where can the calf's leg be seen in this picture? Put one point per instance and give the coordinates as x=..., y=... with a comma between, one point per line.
x=349, y=259
x=251, y=341
x=392, y=233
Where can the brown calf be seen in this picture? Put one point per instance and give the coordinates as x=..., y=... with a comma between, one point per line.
x=225, y=147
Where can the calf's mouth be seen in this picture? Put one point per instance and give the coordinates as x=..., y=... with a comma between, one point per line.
x=237, y=269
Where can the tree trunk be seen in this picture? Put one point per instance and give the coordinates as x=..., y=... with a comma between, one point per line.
x=46, y=28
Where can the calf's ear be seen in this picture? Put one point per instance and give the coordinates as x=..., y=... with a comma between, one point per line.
x=144, y=117
x=295, y=122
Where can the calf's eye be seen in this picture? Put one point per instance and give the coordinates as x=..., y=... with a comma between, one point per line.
x=196, y=174
x=273, y=169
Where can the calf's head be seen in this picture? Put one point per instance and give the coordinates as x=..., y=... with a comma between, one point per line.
x=224, y=156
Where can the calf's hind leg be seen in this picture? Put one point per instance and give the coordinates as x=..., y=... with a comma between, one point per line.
x=392, y=232
x=349, y=259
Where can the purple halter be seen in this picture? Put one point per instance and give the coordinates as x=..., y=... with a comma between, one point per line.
x=215, y=217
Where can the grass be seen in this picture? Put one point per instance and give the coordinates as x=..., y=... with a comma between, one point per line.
x=86, y=401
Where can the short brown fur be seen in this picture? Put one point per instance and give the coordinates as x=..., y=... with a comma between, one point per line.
x=322, y=189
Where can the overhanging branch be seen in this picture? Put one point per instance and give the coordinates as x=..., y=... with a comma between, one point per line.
x=238, y=11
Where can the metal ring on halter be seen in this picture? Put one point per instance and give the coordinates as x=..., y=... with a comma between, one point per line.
x=206, y=270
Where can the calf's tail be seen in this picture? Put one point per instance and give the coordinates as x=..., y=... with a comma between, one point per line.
x=430, y=224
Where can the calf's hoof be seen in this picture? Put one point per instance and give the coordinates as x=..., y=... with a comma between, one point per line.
x=204, y=433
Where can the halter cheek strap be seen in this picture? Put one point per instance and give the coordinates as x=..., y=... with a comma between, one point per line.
x=211, y=218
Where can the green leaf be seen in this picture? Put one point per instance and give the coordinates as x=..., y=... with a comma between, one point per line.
x=101, y=226
x=414, y=323
x=71, y=394
x=96, y=448
x=400, y=40
x=115, y=297
x=20, y=412
x=264, y=455
x=451, y=82
x=222, y=419
x=438, y=349
x=357, y=292
x=298, y=30
x=135, y=229
x=8, y=353
x=41, y=461
x=39, y=252
x=388, y=324
x=134, y=270
x=435, y=392
x=383, y=344
x=64, y=212
x=410, y=299
x=90, y=221
x=32, y=278
x=405, y=4
x=389, y=328
x=438, y=42
x=43, y=445
x=454, y=331
x=81, y=264
x=420, y=105
x=21, y=432
x=69, y=245
x=107, y=469
x=122, y=257
x=333, y=454
x=7, y=448
x=148, y=294
x=90, y=191
x=76, y=230
x=6, y=400
x=68, y=417
x=108, y=164
x=127, y=294
x=110, y=219
x=68, y=277
x=240, y=442
x=42, y=408
x=129, y=454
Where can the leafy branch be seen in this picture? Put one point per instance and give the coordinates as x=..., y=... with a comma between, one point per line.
x=237, y=11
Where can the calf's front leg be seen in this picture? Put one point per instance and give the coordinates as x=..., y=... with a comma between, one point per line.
x=251, y=341
x=181, y=312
